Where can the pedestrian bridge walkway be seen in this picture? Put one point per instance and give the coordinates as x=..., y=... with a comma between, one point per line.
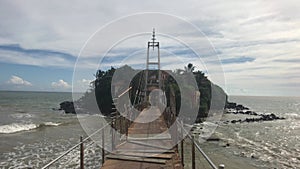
x=148, y=145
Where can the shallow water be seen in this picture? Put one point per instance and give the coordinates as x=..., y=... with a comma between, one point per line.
x=269, y=144
x=31, y=132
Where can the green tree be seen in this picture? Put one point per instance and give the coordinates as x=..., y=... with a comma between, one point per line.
x=101, y=90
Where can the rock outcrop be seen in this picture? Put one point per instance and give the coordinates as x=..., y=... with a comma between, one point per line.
x=232, y=105
x=68, y=107
x=234, y=108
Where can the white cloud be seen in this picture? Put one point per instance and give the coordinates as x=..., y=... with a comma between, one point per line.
x=263, y=30
x=86, y=81
x=60, y=84
x=81, y=85
x=16, y=80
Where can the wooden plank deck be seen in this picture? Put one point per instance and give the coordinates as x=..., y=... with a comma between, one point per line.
x=149, y=145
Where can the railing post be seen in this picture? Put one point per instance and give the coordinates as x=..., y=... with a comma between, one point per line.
x=103, y=152
x=113, y=136
x=193, y=153
x=81, y=153
x=127, y=124
x=182, y=144
x=182, y=153
x=175, y=133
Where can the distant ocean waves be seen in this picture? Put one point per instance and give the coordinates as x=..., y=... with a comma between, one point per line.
x=24, y=125
x=19, y=127
x=295, y=116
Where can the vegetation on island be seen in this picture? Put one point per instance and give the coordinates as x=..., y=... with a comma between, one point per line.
x=212, y=98
x=101, y=90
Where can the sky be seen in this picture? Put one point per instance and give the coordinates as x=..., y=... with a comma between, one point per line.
x=247, y=47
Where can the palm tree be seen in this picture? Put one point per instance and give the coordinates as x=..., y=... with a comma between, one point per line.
x=189, y=68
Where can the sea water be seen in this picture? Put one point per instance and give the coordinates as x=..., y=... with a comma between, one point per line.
x=267, y=144
x=32, y=134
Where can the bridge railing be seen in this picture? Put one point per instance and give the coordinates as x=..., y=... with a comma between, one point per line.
x=104, y=135
x=194, y=147
x=81, y=146
x=105, y=138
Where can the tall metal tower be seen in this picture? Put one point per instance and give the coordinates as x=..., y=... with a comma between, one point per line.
x=152, y=73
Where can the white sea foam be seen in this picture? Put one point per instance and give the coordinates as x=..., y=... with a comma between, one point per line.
x=18, y=127
x=89, y=115
x=21, y=115
x=293, y=115
x=51, y=124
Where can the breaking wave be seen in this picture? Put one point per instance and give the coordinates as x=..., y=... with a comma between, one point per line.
x=18, y=127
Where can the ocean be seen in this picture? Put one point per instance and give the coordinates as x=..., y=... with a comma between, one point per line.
x=268, y=144
x=32, y=133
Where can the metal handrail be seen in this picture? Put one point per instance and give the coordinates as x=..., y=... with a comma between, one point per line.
x=127, y=90
x=75, y=146
x=84, y=140
x=198, y=147
x=203, y=153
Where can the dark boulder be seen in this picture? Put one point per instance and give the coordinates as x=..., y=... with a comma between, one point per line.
x=236, y=121
x=235, y=106
x=230, y=105
x=68, y=107
x=240, y=109
x=213, y=139
x=254, y=113
x=233, y=121
x=248, y=112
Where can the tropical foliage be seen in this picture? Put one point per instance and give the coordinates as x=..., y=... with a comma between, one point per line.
x=101, y=89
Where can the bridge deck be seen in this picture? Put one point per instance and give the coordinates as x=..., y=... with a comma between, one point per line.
x=149, y=145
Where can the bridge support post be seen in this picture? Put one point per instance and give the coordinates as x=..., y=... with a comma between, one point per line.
x=81, y=153
x=103, y=151
x=126, y=122
x=175, y=133
x=112, y=138
x=182, y=153
x=193, y=153
x=182, y=144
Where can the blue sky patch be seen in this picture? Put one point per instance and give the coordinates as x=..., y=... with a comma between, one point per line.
x=242, y=59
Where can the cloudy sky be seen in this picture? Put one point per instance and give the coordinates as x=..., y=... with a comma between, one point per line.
x=257, y=43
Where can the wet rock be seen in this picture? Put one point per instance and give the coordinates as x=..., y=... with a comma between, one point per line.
x=225, y=145
x=241, y=107
x=68, y=107
x=235, y=106
x=230, y=105
x=213, y=139
x=253, y=156
x=236, y=121
x=264, y=117
x=261, y=117
x=233, y=121
x=249, y=112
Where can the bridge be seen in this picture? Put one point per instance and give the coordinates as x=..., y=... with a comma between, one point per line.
x=154, y=139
